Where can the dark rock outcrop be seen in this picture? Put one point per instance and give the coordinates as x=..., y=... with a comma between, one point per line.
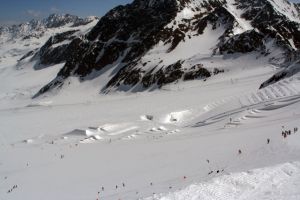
x=50, y=54
x=126, y=33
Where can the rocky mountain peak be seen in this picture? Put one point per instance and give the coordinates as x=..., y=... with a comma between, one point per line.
x=57, y=20
x=36, y=28
x=129, y=38
x=144, y=4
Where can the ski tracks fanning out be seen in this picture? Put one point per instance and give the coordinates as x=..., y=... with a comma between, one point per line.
x=234, y=111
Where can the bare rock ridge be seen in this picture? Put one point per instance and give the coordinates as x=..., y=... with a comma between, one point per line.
x=127, y=36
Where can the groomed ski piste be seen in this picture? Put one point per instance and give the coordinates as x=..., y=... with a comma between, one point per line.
x=216, y=139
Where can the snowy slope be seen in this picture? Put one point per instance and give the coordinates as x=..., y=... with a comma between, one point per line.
x=254, y=184
x=75, y=144
x=180, y=141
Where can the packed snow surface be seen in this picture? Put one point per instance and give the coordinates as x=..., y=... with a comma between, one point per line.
x=216, y=139
x=278, y=182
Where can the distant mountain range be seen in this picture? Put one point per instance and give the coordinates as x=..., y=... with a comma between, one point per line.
x=36, y=28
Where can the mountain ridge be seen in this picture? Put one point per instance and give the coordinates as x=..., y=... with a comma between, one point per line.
x=36, y=28
x=149, y=44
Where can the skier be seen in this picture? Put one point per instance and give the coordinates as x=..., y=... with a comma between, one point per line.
x=240, y=151
x=268, y=141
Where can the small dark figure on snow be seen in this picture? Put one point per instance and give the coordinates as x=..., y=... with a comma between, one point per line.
x=284, y=135
x=295, y=129
x=123, y=184
x=240, y=152
x=151, y=183
x=116, y=186
x=268, y=141
x=102, y=188
x=207, y=161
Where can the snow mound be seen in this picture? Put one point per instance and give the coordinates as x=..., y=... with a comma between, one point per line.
x=176, y=116
x=146, y=117
x=28, y=141
x=91, y=139
x=157, y=129
x=76, y=132
x=112, y=127
x=42, y=103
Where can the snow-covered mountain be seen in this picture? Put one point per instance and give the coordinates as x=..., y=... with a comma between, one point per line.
x=18, y=42
x=37, y=28
x=148, y=44
x=221, y=120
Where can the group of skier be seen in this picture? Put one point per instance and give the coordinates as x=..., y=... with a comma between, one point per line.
x=286, y=133
x=14, y=187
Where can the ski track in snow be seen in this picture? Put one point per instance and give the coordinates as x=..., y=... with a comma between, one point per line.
x=189, y=133
x=251, y=107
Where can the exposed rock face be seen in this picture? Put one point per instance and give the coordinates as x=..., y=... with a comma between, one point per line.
x=50, y=54
x=127, y=36
x=243, y=43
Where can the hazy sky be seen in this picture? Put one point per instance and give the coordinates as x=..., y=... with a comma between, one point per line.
x=16, y=11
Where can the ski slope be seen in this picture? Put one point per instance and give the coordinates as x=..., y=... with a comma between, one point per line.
x=180, y=142
x=278, y=182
